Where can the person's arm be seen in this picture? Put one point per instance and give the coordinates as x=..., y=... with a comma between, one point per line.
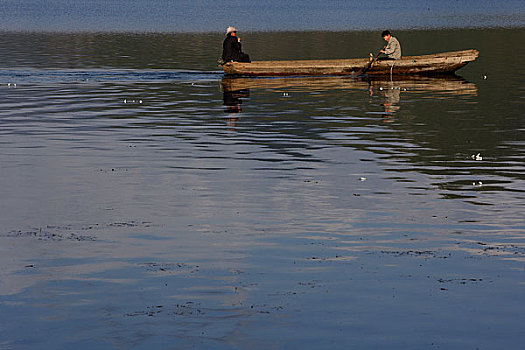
x=236, y=44
x=391, y=47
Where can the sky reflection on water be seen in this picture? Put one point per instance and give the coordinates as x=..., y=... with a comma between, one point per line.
x=212, y=16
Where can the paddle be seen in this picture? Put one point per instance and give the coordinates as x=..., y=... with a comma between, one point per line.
x=368, y=66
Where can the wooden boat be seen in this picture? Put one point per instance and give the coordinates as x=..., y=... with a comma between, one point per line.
x=442, y=63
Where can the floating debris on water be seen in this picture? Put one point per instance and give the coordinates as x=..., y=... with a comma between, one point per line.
x=132, y=101
x=477, y=156
x=362, y=179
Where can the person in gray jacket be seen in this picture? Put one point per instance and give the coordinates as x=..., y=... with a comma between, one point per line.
x=393, y=48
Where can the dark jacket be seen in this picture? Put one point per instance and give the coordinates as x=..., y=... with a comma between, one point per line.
x=232, y=50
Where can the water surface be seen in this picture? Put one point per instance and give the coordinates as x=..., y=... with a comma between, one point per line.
x=150, y=202
x=270, y=15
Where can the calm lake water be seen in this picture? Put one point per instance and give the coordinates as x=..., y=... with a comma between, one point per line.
x=149, y=202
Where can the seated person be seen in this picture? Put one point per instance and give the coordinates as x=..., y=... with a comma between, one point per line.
x=232, y=49
x=393, y=49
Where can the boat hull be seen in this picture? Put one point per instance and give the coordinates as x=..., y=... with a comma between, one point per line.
x=442, y=63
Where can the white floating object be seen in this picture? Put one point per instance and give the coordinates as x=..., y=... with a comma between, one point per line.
x=485, y=77
x=125, y=101
x=362, y=179
x=381, y=88
x=477, y=156
x=140, y=101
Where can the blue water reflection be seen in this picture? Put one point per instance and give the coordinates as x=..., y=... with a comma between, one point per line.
x=150, y=202
x=209, y=16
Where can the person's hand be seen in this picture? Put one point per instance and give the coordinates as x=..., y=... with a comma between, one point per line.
x=382, y=51
x=238, y=39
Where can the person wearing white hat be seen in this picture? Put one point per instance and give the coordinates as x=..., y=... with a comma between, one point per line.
x=232, y=48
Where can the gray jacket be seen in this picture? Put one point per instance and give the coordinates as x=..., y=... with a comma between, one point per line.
x=393, y=49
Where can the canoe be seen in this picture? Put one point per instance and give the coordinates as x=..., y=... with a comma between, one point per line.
x=441, y=63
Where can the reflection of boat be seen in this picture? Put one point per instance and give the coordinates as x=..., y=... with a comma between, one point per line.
x=444, y=85
x=447, y=62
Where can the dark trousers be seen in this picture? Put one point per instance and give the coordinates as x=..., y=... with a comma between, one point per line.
x=243, y=57
x=383, y=57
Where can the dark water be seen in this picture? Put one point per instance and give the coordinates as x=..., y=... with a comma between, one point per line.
x=149, y=202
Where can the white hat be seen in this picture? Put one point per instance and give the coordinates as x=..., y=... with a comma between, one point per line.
x=230, y=29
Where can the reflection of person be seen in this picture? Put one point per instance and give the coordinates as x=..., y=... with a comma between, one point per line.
x=392, y=50
x=232, y=100
x=392, y=98
x=232, y=48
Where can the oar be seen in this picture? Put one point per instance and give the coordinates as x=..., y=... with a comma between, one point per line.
x=367, y=67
